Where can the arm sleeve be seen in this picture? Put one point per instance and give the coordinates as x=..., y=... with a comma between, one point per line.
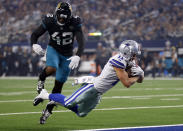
x=37, y=33
x=81, y=42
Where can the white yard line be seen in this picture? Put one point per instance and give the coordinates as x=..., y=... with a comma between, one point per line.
x=16, y=93
x=24, y=92
x=171, y=99
x=145, y=96
x=104, y=109
x=73, y=89
x=12, y=101
x=111, y=97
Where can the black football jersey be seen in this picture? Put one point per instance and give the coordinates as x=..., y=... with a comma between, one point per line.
x=62, y=37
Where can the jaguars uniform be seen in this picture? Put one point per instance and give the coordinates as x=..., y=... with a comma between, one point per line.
x=63, y=28
x=60, y=46
x=62, y=37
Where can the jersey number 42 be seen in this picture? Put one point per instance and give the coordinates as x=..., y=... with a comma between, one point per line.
x=66, y=38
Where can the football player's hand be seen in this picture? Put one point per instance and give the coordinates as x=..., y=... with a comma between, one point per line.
x=137, y=71
x=37, y=49
x=74, y=62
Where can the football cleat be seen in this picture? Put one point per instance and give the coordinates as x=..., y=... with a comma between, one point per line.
x=41, y=97
x=47, y=112
x=45, y=115
x=37, y=101
x=40, y=86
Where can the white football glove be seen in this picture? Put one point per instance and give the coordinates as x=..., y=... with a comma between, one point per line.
x=137, y=71
x=44, y=57
x=74, y=62
x=37, y=49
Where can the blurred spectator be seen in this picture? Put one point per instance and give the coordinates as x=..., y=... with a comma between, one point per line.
x=128, y=19
x=102, y=55
x=119, y=20
x=168, y=58
x=180, y=58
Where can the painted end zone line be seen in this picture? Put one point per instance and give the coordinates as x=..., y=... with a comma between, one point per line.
x=177, y=127
x=104, y=109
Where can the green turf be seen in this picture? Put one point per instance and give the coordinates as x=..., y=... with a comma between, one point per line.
x=150, y=94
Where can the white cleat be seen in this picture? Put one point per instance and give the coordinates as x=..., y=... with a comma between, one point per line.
x=44, y=95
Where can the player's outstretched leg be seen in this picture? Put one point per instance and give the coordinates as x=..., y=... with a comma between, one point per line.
x=42, y=96
x=47, y=112
x=41, y=81
x=55, y=98
x=56, y=89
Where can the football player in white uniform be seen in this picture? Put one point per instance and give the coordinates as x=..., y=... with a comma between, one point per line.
x=88, y=96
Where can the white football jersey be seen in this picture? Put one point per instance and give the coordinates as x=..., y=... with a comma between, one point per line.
x=108, y=77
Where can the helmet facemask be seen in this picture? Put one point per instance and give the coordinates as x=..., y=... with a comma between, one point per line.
x=63, y=13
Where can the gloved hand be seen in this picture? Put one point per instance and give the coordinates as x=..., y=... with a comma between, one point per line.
x=37, y=49
x=137, y=71
x=74, y=61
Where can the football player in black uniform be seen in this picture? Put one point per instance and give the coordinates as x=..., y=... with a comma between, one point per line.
x=62, y=27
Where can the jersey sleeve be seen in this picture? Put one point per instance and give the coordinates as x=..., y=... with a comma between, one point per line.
x=118, y=61
x=77, y=23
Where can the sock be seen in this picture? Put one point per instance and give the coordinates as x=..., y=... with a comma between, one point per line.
x=57, y=97
x=58, y=87
x=43, y=75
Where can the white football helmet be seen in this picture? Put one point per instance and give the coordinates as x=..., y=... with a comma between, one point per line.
x=129, y=49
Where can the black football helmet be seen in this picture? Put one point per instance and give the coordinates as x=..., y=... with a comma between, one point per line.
x=63, y=13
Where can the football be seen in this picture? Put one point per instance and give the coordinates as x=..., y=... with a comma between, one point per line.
x=128, y=70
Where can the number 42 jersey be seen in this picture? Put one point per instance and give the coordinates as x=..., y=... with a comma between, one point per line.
x=62, y=37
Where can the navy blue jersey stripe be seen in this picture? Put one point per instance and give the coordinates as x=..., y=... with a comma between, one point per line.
x=119, y=63
x=114, y=64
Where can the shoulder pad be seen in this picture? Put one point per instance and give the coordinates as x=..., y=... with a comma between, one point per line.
x=47, y=19
x=77, y=20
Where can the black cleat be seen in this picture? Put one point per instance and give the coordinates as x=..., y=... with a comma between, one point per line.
x=40, y=98
x=47, y=112
x=45, y=115
x=37, y=101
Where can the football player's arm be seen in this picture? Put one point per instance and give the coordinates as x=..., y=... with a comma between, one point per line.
x=123, y=77
x=81, y=42
x=76, y=58
x=34, y=38
x=37, y=33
